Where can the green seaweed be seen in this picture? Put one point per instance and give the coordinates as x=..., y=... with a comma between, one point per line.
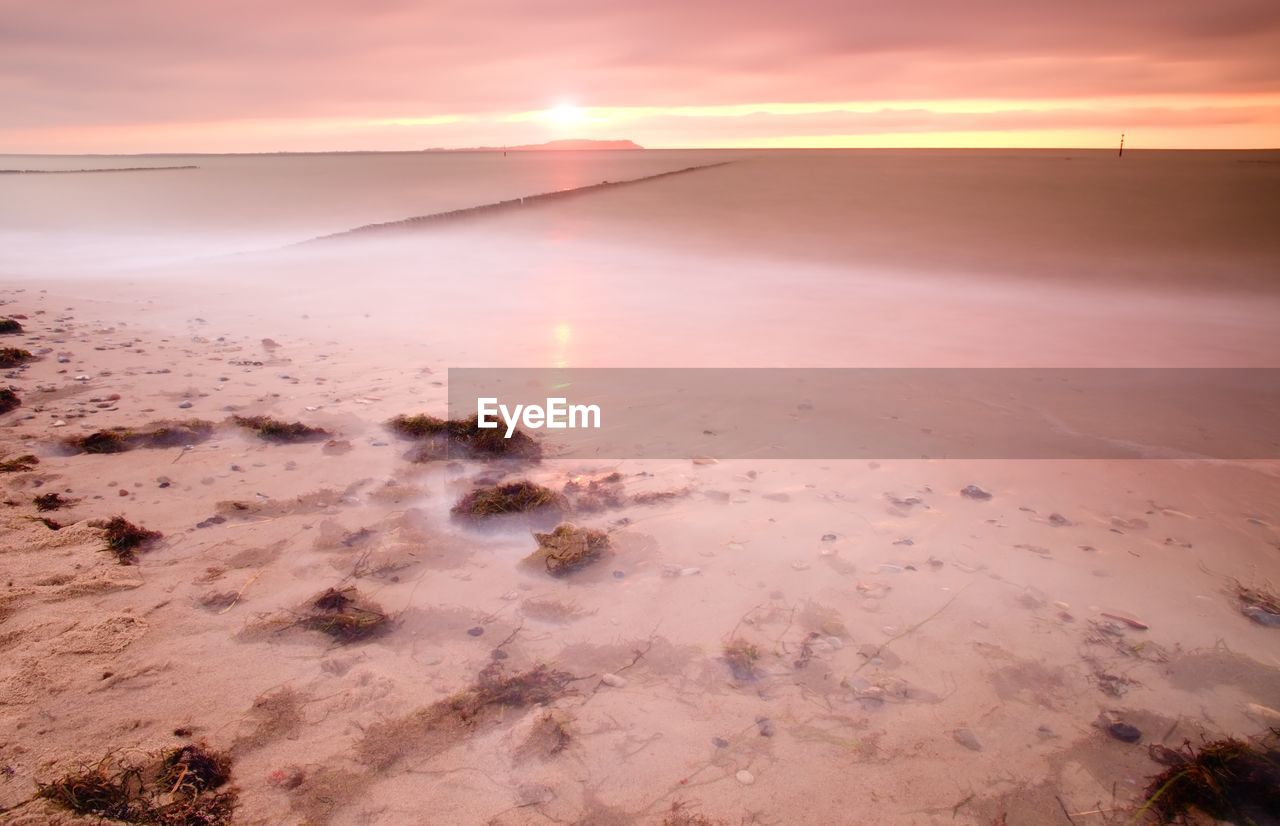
x=1229, y=780
x=125, y=539
x=14, y=356
x=568, y=548
x=178, y=789
x=18, y=464
x=522, y=497
x=461, y=439
x=345, y=616
x=163, y=434
x=279, y=431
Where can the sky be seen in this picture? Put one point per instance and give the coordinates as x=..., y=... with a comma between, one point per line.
x=81, y=76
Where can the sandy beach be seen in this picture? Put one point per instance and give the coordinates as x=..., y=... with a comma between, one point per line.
x=764, y=642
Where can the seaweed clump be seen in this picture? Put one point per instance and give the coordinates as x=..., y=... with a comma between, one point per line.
x=741, y=657
x=568, y=548
x=180, y=789
x=14, y=356
x=9, y=326
x=461, y=439
x=680, y=815
x=50, y=502
x=522, y=497
x=18, y=464
x=125, y=539
x=1227, y=779
x=281, y=432
x=442, y=723
x=163, y=434
x=345, y=616
x=1259, y=604
x=9, y=400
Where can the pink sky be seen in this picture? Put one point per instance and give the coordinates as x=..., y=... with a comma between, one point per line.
x=161, y=75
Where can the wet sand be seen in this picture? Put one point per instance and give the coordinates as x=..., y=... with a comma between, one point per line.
x=766, y=642
x=899, y=625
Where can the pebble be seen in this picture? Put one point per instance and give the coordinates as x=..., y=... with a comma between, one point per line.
x=967, y=739
x=185, y=405
x=975, y=492
x=614, y=681
x=765, y=725
x=1261, y=616
x=690, y=571
x=828, y=537
x=720, y=742
x=745, y=777
x=1124, y=732
x=475, y=632
x=619, y=574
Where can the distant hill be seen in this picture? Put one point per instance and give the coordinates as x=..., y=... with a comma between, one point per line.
x=568, y=144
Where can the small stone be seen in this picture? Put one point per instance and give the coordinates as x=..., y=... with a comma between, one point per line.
x=1058, y=520
x=967, y=739
x=690, y=571
x=619, y=574
x=720, y=742
x=745, y=777
x=765, y=726
x=828, y=537
x=164, y=481
x=1261, y=616
x=1124, y=732
x=122, y=492
x=185, y=405
x=975, y=492
x=475, y=632
x=614, y=681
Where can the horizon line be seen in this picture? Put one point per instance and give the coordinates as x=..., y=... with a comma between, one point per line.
x=523, y=150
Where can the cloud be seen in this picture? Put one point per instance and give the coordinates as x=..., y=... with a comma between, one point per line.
x=72, y=67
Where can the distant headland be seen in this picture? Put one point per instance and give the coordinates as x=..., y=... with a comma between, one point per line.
x=565, y=145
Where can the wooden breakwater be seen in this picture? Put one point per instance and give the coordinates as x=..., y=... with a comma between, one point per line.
x=453, y=215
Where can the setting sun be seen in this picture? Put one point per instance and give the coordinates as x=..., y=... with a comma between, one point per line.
x=566, y=113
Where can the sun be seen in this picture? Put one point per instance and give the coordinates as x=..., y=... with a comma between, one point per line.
x=566, y=113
